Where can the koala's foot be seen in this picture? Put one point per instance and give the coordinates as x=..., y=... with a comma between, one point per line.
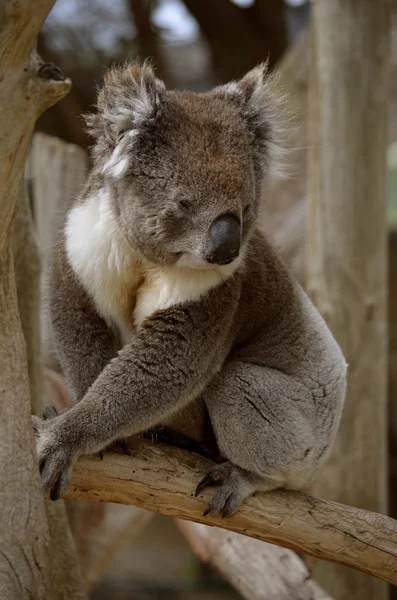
x=235, y=485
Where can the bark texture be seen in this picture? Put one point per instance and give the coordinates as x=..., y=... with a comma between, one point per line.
x=28, y=87
x=66, y=577
x=163, y=479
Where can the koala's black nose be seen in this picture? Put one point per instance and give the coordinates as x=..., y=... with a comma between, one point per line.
x=224, y=239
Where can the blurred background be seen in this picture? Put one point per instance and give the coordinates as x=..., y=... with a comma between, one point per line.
x=193, y=44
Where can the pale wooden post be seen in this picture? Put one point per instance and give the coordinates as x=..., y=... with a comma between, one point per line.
x=347, y=267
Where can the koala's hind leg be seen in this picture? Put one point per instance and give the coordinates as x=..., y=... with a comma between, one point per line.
x=262, y=420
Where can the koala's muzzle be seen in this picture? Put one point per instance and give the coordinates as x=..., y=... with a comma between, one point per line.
x=224, y=240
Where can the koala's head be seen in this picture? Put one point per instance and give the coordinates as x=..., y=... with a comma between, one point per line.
x=184, y=170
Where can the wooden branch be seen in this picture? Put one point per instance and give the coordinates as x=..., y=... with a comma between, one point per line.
x=347, y=248
x=163, y=479
x=20, y=24
x=23, y=97
x=27, y=269
x=257, y=570
x=66, y=578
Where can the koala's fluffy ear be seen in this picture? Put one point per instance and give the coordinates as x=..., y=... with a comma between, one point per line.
x=130, y=96
x=261, y=105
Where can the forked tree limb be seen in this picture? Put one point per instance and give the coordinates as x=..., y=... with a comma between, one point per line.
x=163, y=479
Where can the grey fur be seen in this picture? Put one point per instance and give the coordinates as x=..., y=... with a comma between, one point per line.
x=253, y=349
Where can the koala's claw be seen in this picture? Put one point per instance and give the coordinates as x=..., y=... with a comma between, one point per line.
x=234, y=486
x=55, y=458
x=206, y=481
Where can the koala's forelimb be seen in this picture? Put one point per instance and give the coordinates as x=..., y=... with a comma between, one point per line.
x=171, y=359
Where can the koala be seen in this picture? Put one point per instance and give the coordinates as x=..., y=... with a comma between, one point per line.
x=165, y=299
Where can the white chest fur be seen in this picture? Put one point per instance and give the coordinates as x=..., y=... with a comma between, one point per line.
x=112, y=274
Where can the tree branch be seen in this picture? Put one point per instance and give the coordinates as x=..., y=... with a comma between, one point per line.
x=24, y=95
x=163, y=479
x=242, y=561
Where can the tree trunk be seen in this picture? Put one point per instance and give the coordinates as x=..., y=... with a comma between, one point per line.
x=66, y=574
x=148, y=40
x=347, y=235
x=27, y=88
x=236, y=36
x=271, y=16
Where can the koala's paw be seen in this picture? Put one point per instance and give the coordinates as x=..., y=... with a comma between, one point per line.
x=234, y=485
x=55, y=457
